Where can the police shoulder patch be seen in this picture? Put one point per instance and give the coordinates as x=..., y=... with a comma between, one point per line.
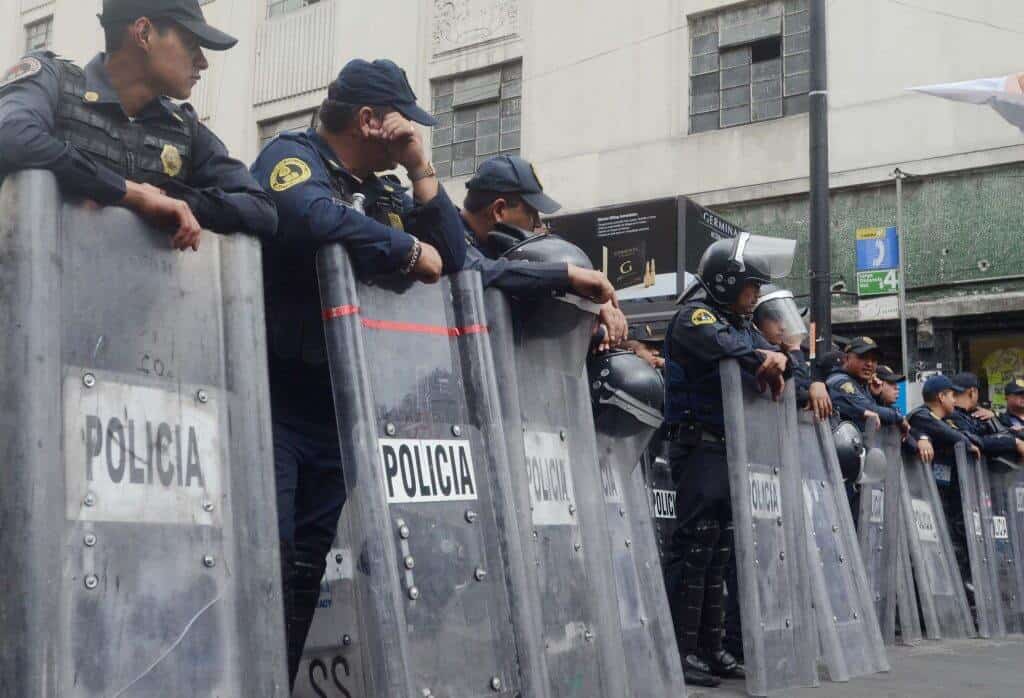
x=288, y=173
x=702, y=316
x=848, y=388
x=25, y=68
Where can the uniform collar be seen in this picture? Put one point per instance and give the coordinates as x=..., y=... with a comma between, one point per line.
x=331, y=160
x=97, y=82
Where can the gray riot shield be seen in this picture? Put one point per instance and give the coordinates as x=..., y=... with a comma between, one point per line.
x=540, y=348
x=906, y=593
x=661, y=491
x=940, y=589
x=137, y=502
x=627, y=399
x=976, y=503
x=779, y=632
x=1007, y=529
x=878, y=524
x=432, y=538
x=851, y=640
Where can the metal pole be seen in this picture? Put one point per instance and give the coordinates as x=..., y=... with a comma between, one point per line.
x=820, y=248
x=902, y=281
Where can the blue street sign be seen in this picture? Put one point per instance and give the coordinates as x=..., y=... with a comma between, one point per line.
x=877, y=248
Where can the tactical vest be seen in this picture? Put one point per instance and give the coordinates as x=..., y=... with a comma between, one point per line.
x=295, y=329
x=693, y=394
x=149, y=152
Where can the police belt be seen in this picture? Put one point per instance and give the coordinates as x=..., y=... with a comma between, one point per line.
x=691, y=433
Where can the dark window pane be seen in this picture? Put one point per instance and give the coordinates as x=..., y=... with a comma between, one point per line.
x=511, y=123
x=487, y=128
x=463, y=167
x=766, y=50
x=704, y=84
x=442, y=136
x=442, y=154
x=704, y=44
x=734, y=77
x=796, y=105
x=487, y=145
x=735, y=117
x=766, y=110
x=466, y=132
x=465, y=150
x=736, y=97
x=704, y=122
x=509, y=140
x=701, y=104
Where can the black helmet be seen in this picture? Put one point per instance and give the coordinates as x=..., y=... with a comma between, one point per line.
x=504, y=237
x=542, y=247
x=623, y=380
x=850, y=450
x=725, y=268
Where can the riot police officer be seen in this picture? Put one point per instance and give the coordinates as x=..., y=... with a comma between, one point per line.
x=366, y=126
x=111, y=133
x=850, y=391
x=1013, y=417
x=969, y=416
x=503, y=205
x=711, y=325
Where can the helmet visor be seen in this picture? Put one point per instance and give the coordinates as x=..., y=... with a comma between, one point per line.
x=777, y=253
x=778, y=318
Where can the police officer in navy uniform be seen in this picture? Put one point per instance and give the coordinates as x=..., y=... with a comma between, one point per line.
x=1013, y=417
x=711, y=325
x=366, y=127
x=850, y=389
x=503, y=206
x=969, y=416
x=112, y=134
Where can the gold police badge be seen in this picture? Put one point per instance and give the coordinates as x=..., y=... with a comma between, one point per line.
x=288, y=173
x=171, y=159
x=701, y=316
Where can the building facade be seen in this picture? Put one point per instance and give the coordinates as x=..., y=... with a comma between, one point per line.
x=617, y=103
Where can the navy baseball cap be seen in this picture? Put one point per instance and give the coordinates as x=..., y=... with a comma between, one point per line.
x=513, y=175
x=378, y=84
x=937, y=384
x=1014, y=387
x=965, y=381
x=187, y=13
x=888, y=375
x=863, y=345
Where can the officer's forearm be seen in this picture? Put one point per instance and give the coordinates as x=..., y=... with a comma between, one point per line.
x=424, y=188
x=230, y=212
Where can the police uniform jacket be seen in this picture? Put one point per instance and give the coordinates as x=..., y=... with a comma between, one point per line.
x=518, y=278
x=1012, y=422
x=945, y=435
x=852, y=399
x=994, y=442
x=699, y=336
x=312, y=191
x=57, y=116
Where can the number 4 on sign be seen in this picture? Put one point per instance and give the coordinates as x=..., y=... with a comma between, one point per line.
x=891, y=280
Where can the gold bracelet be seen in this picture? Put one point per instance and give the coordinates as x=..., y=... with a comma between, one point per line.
x=429, y=172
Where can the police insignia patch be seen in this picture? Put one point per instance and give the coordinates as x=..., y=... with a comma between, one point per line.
x=25, y=68
x=91, y=96
x=395, y=221
x=171, y=159
x=288, y=173
x=848, y=388
x=702, y=317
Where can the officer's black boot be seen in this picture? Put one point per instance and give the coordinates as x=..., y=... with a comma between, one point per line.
x=685, y=580
x=696, y=672
x=720, y=662
x=308, y=571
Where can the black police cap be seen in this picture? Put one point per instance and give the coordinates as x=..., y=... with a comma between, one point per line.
x=1014, y=387
x=187, y=13
x=513, y=175
x=378, y=84
x=888, y=375
x=863, y=345
x=965, y=381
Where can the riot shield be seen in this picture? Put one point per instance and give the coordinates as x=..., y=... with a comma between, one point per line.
x=661, y=492
x=906, y=593
x=851, y=640
x=878, y=524
x=940, y=589
x=540, y=348
x=625, y=425
x=976, y=501
x=1007, y=529
x=137, y=504
x=779, y=632
x=432, y=539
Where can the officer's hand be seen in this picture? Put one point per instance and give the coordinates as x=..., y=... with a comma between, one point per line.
x=819, y=401
x=904, y=427
x=403, y=140
x=615, y=321
x=152, y=204
x=983, y=414
x=774, y=362
x=873, y=418
x=428, y=266
x=591, y=284
x=925, y=451
x=974, y=450
x=1017, y=429
x=1020, y=448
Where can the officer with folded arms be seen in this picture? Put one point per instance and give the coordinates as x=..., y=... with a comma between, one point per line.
x=111, y=133
x=503, y=206
x=969, y=416
x=366, y=127
x=1013, y=417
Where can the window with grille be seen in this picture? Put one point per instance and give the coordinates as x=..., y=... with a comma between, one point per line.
x=749, y=64
x=479, y=116
x=292, y=122
x=38, y=35
x=279, y=7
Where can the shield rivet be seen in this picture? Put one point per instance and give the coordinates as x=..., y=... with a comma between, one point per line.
x=562, y=435
x=536, y=535
x=855, y=616
x=628, y=542
x=622, y=512
x=410, y=562
x=88, y=380
x=470, y=515
x=207, y=506
x=90, y=500
x=209, y=561
x=835, y=529
x=775, y=471
x=643, y=621
x=403, y=530
x=842, y=559
x=480, y=574
x=346, y=640
x=588, y=636
x=92, y=581
x=596, y=385
x=202, y=396
x=90, y=539
x=822, y=484
x=605, y=373
x=782, y=554
x=414, y=593
x=338, y=558
x=572, y=509
x=778, y=521
x=835, y=619
x=390, y=429
x=456, y=430
x=495, y=683
x=577, y=547
x=789, y=623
